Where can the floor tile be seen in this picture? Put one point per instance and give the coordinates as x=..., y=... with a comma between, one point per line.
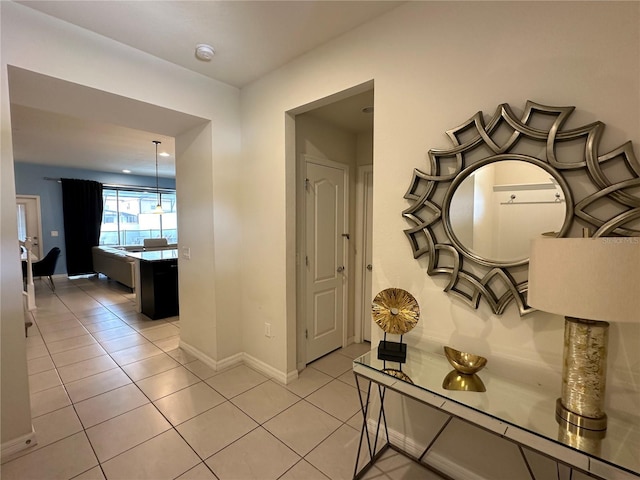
x=58, y=335
x=121, y=433
x=168, y=344
x=49, y=327
x=355, y=350
x=303, y=470
x=49, y=400
x=122, y=343
x=37, y=351
x=333, y=364
x=71, y=343
x=308, y=381
x=77, y=355
x=258, y=455
x=113, y=333
x=86, y=368
x=181, y=355
x=302, y=427
x=110, y=404
x=96, y=384
x=64, y=459
x=265, y=401
x=136, y=353
x=337, y=399
x=166, y=383
x=335, y=456
x=164, y=331
x=214, y=429
x=141, y=323
x=165, y=456
x=96, y=317
x=201, y=369
x=33, y=339
x=350, y=379
x=104, y=325
x=93, y=474
x=394, y=466
x=43, y=381
x=188, y=402
x=40, y=364
x=199, y=472
x=149, y=367
x=236, y=381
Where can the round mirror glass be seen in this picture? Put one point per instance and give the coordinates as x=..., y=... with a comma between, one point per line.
x=499, y=207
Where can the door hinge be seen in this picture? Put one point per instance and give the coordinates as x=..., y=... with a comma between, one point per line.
x=306, y=183
x=306, y=260
x=306, y=333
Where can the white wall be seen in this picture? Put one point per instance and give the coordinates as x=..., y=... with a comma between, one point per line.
x=434, y=65
x=41, y=44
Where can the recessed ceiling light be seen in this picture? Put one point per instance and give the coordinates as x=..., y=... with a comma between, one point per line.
x=204, y=52
x=126, y=171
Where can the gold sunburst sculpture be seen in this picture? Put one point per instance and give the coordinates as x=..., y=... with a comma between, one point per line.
x=395, y=311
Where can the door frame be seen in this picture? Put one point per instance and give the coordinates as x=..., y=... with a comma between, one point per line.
x=40, y=247
x=360, y=307
x=301, y=293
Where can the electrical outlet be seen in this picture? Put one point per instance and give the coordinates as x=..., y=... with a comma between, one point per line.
x=267, y=330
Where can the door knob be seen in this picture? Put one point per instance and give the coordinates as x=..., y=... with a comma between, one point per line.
x=369, y=267
x=340, y=269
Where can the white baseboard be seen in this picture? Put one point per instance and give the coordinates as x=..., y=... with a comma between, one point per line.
x=16, y=445
x=436, y=460
x=269, y=371
x=231, y=361
x=199, y=354
x=238, y=359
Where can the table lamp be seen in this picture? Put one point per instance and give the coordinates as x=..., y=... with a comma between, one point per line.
x=591, y=281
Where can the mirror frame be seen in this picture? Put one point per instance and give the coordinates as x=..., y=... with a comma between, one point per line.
x=472, y=276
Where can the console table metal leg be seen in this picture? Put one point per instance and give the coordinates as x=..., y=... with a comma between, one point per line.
x=382, y=421
x=364, y=408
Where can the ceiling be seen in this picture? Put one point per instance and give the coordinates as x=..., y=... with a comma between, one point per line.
x=250, y=39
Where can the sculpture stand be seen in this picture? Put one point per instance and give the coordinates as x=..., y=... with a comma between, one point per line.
x=392, y=351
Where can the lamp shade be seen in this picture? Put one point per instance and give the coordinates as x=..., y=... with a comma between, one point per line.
x=586, y=278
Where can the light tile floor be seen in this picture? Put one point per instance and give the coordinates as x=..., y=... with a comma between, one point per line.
x=113, y=396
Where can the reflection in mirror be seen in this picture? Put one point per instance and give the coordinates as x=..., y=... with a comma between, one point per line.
x=498, y=208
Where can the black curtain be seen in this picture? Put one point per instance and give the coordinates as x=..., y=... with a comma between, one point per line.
x=82, y=209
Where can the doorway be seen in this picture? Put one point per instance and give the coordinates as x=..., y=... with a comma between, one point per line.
x=326, y=227
x=333, y=143
x=29, y=222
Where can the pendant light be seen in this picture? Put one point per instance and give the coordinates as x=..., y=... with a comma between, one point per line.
x=158, y=209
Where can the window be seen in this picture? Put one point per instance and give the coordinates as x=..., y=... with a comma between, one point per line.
x=128, y=216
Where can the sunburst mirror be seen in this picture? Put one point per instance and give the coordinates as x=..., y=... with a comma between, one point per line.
x=506, y=180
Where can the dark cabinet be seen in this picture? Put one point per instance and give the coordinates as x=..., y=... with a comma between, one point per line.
x=159, y=288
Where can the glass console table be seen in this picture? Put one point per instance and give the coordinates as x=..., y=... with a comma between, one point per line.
x=521, y=413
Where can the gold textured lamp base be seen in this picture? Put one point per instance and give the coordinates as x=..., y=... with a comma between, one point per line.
x=579, y=422
x=584, y=374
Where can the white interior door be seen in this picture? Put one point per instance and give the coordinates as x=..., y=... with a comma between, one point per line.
x=325, y=283
x=367, y=297
x=29, y=224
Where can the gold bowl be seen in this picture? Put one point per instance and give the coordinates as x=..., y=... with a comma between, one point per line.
x=466, y=363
